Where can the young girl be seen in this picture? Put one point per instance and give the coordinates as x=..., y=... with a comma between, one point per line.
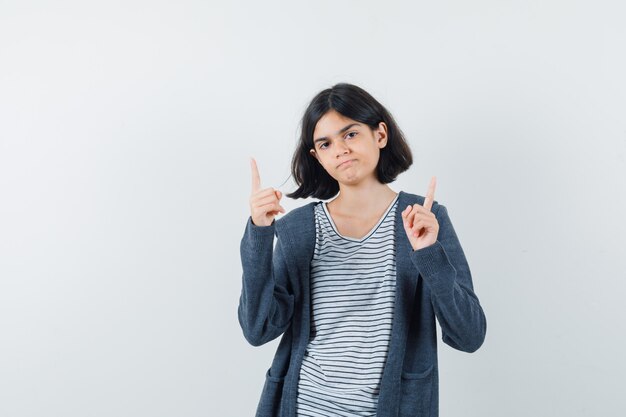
x=353, y=285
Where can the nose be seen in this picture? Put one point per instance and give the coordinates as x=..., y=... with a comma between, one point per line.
x=341, y=148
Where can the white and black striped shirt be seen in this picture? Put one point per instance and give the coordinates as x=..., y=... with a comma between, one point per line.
x=352, y=296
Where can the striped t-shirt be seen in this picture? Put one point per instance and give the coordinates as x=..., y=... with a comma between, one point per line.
x=352, y=296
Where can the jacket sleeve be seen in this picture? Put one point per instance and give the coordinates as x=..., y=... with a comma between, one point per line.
x=444, y=268
x=265, y=304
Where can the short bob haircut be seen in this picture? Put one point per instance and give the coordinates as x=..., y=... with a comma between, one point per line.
x=354, y=103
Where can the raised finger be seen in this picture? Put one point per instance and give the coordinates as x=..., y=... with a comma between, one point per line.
x=264, y=192
x=256, y=178
x=430, y=194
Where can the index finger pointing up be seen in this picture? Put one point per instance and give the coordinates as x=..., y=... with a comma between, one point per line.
x=256, y=178
x=430, y=195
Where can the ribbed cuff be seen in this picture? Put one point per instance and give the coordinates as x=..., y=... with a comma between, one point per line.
x=258, y=235
x=431, y=259
x=435, y=268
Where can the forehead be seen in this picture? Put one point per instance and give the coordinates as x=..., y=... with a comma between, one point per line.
x=330, y=123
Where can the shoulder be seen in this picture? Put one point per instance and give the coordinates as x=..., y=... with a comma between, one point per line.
x=296, y=228
x=297, y=217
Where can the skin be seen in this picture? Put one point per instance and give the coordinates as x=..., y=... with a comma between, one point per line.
x=361, y=196
x=264, y=202
x=420, y=224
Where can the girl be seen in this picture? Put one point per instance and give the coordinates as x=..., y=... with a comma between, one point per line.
x=353, y=285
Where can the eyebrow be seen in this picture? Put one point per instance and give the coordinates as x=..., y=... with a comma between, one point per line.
x=338, y=132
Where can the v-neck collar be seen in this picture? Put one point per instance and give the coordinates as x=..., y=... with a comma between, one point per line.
x=368, y=234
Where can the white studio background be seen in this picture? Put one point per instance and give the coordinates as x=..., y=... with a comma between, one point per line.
x=125, y=133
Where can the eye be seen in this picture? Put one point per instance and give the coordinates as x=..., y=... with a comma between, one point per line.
x=348, y=135
x=322, y=145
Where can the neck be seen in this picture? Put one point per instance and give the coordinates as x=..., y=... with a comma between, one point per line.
x=362, y=199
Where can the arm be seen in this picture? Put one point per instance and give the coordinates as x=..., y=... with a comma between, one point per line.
x=445, y=270
x=265, y=305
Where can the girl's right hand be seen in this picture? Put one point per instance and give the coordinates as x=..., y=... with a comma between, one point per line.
x=264, y=203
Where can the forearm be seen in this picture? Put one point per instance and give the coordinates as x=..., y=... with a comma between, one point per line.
x=456, y=306
x=265, y=306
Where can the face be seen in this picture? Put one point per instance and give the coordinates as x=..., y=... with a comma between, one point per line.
x=348, y=150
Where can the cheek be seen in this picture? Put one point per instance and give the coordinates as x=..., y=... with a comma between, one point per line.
x=328, y=167
x=374, y=158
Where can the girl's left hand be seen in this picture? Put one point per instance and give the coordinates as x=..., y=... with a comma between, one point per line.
x=420, y=224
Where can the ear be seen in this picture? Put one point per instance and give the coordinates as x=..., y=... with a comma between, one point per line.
x=312, y=152
x=381, y=135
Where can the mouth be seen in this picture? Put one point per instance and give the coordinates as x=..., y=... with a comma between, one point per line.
x=344, y=163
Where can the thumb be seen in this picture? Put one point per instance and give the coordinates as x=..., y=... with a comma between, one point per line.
x=279, y=195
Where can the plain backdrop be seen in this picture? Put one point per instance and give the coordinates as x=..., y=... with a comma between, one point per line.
x=126, y=129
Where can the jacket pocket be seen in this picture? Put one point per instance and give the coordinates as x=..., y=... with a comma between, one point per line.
x=271, y=396
x=416, y=392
